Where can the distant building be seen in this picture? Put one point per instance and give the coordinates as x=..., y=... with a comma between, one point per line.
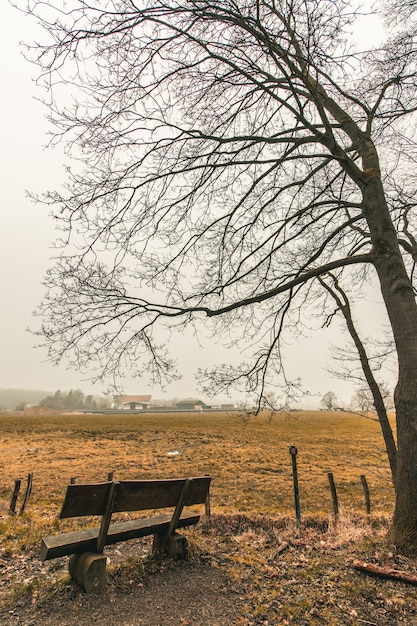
x=131, y=403
x=191, y=405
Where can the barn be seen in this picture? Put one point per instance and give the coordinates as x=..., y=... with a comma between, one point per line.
x=191, y=405
x=131, y=403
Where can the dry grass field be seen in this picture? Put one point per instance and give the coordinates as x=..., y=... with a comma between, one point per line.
x=250, y=462
x=237, y=553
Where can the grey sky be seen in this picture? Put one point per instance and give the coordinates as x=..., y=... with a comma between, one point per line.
x=26, y=233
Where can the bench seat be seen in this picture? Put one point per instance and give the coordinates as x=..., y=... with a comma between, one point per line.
x=85, y=540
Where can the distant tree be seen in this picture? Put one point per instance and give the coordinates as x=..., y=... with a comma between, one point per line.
x=235, y=152
x=55, y=401
x=70, y=401
x=74, y=400
x=363, y=399
x=329, y=401
x=90, y=403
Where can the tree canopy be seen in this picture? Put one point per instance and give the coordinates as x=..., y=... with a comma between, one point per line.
x=236, y=160
x=222, y=144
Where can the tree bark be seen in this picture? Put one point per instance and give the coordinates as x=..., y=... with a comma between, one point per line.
x=400, y=303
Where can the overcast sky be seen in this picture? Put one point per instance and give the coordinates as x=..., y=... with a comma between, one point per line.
x=26, y=233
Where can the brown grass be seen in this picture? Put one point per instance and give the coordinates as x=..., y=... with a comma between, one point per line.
x=250, y=462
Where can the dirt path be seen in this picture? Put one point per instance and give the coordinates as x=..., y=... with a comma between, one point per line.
x=237, y=575
x=194, y=592
x=196, y=595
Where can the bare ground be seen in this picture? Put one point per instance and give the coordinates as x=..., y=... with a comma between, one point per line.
x=241, y=571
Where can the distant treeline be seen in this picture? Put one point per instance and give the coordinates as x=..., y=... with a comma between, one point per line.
x=19, y=399
x=74, y=400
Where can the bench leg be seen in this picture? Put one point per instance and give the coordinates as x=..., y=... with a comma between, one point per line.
x=175, y=546
x=89, y=571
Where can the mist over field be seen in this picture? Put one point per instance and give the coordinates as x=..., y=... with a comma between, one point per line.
x=11, y=398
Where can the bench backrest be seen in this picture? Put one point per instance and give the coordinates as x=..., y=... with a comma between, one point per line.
x=132, y=495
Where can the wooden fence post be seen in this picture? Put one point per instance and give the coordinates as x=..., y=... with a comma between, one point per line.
x=27, y=493
x=16, y=490
x=335, y=500
x=366, y=494
x=293, y=451
x=207, y=504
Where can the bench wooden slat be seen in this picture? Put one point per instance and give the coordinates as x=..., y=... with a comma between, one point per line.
x=122, y=531
x=198, y=490
x=85, y=540
x=82, y=500
x=131, y=495
x=140, y=495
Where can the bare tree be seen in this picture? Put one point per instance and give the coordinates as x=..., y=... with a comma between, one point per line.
x=363, y=400
x=234, y=152
x=329, y=401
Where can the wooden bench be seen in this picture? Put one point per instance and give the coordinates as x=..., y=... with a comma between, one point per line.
x=87, y=564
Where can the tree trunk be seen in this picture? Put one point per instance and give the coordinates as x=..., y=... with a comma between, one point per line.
x=400, y=303
x=401, y=307
x=342, y=301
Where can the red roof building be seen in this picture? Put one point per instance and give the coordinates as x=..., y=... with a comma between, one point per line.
x=131, y=403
